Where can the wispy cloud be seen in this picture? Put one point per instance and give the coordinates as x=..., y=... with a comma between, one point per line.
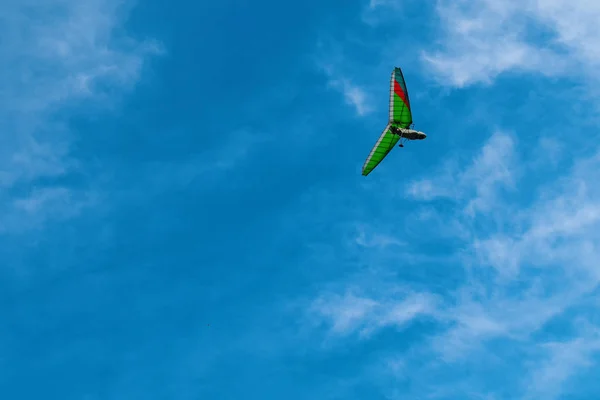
x=367, y=238
x=331, y=62
x=494, y=168
x=61, y=52
x=353, y=94
x=484, y=38
x=350, y=313
x=40, y=205
x=560, y=362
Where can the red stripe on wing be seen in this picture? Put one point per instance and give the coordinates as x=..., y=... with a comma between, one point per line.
x=398, y=90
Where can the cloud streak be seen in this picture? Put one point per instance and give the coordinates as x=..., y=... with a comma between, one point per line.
x=351, y=313
x=353, y=94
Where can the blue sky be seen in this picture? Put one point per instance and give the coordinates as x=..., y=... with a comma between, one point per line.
x=183, y=214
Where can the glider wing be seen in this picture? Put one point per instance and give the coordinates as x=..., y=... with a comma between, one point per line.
x=385, y=143
x=400, y=113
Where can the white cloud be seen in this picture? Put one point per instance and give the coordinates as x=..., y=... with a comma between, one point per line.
x=350, y=313
x=332, y=62
x=345, y=313
x=566, y=208
x=561, y=361
x=41, y=205
x=367, y=238
x=493, y=169
x=353, y=94
x=60, y=52
x=377, y=3
x=484, y=38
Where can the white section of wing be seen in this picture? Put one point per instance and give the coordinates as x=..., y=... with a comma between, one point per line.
x=391, y=113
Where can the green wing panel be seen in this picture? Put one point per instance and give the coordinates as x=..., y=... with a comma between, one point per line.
x=400, y=113
x=384, y=144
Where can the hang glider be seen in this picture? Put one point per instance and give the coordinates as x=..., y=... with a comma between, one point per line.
x=399, y=123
